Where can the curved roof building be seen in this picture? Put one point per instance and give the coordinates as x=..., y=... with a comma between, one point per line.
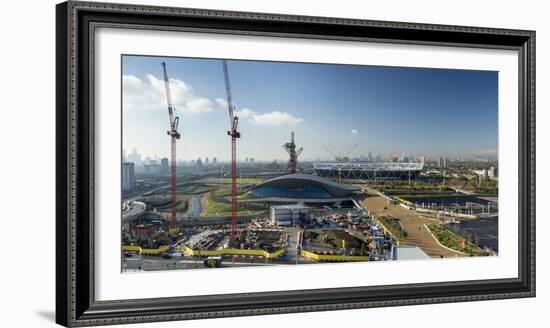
x=302, y=186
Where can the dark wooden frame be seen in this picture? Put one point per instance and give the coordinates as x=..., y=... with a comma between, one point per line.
x=76, y=23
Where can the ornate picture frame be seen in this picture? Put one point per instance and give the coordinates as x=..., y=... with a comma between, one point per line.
x=77, y=22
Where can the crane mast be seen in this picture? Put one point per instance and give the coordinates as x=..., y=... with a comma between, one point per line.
x=234, y=134
x=174, y=135
x=337, y=158
x=341, y=158
x=293, y=153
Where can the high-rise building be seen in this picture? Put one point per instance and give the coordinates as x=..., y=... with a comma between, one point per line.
x=152, y=169
x=164, y=166
x=214, y=161
x=206, y=161
x=128, y=178
x=134, y=157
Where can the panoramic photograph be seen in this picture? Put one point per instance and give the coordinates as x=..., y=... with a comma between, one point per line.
x=236, y=163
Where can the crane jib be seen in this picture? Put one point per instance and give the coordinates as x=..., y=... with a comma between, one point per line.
x=230, y=106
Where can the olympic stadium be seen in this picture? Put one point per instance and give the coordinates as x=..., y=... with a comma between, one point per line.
x=301, y=189
x=368, y=170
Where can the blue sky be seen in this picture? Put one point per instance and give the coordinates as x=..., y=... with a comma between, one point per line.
x=418, y=111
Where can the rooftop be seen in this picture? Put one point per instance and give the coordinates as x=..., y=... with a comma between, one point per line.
x=302, y=186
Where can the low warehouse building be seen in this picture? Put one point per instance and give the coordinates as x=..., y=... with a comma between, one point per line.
x=288, y=215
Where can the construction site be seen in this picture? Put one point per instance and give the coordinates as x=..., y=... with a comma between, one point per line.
x=250, y=213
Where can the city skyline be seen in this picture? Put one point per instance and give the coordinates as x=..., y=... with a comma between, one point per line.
x=421, y=112
x=370, y=156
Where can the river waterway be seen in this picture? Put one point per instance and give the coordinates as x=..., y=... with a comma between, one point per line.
x=449, y=200
x=482, y=232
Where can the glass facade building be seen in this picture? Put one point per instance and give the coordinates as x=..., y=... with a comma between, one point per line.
x=306, y=191
x=301, y=186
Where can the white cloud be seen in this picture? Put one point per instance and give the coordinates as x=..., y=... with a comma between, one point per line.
x=353, y=131
x=221, y=102
x=274, y=118
x=150, y=94
x=246, y=114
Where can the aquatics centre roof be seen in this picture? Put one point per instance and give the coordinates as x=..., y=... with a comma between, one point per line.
x=302, y=186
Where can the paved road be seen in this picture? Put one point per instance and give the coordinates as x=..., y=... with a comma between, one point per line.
x=195, y=207
x=291, y=256
x=134, y=208
x=139, y=263
x=413, y=223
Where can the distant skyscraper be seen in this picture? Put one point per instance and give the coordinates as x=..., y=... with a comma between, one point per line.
x=134, y=157
x=421, y=159
x=214, y=161
x=128, y=178
x=199, y=162
x=206, y=161
x=164, y=167
x=445, y=162
x=401, y=158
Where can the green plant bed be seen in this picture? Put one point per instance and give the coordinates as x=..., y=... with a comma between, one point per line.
x=394, y=226
x=453, y=241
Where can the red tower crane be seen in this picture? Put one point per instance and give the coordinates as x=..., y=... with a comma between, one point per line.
x=174, y=135
x=234, y=134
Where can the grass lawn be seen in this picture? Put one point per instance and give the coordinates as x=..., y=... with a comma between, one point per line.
x=181, y=205
x=244, y=180
x=245, y=196
x=216, y=207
